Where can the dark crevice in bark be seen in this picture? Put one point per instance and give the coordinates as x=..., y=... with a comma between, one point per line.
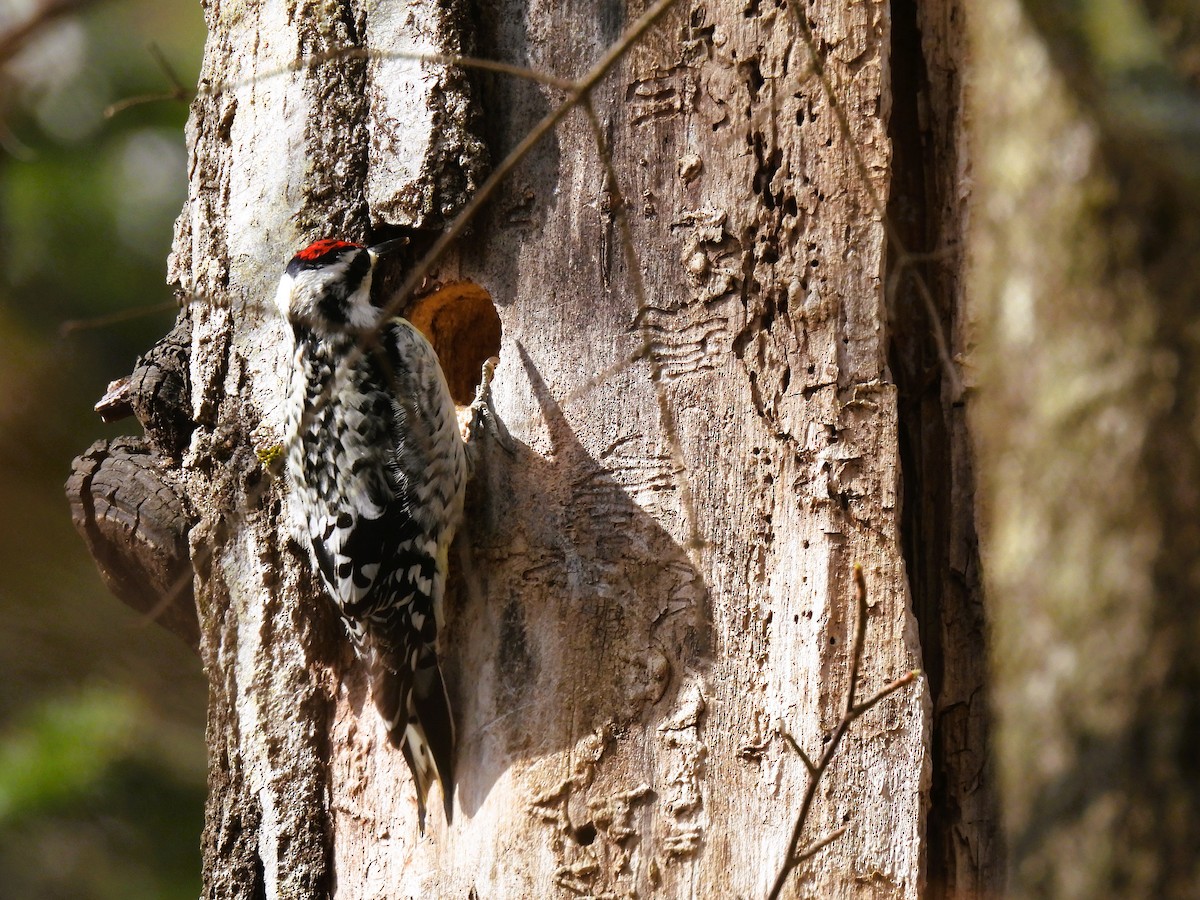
x=937, y=524
x=918, y=383
x=335, y=202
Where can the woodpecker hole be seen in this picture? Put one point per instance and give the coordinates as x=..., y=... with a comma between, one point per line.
x=461, y=322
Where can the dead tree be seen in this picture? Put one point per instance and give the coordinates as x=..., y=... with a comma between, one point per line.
x=713, y=349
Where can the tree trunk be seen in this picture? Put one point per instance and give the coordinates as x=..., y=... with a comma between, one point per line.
x=727, y=316
x=655, y=587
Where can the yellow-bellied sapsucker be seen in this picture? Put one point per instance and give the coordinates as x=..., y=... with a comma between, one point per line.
x=377, y=467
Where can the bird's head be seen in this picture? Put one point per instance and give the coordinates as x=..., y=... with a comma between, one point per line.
x=327, y=286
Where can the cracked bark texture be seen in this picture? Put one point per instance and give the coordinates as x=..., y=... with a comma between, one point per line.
x=127, y=505
x=659, y=578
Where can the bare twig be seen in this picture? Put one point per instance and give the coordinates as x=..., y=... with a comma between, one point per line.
x=817, y=846
x=117, y=318
x=906, y=679
x=799, y=751
x=445, y=59
x=339, y=53
x=179, y=91
x=345, y=53
x=903, y=256
x=851, y=711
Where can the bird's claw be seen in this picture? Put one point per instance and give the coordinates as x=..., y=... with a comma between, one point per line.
x=483, y=413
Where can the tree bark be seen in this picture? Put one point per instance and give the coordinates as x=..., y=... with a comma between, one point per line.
x=657, y=583
x=928, y=215
x=712, y=414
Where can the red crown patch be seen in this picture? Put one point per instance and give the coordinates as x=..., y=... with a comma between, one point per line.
x=320, y=248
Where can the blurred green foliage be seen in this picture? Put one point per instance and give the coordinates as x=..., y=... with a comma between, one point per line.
x=87, y=806
x=101, y=714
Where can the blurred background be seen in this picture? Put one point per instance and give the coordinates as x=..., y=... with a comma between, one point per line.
x=102, y=762
x=1085, y=422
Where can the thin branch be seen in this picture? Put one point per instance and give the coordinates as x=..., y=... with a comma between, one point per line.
x=170, y=600
x=179, y=91
x=13, y=145
x=903, y=681
x=445, y=59
x=798, y=750
x=165, y=65
x=795, y=855
x=344, y=53
x=127, y=103
x=817, y=62
x=813, y=849
x=71, y=326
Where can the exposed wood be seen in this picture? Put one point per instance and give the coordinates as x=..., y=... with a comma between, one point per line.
x=657, y=581
x=763, y=272
x=126, y=504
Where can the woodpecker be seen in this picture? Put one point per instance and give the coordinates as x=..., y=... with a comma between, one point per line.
x=377, y=467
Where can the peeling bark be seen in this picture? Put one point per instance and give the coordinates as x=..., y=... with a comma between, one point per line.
x=657, y=581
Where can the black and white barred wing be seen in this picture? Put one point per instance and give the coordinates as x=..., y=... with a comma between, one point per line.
x=382, y=549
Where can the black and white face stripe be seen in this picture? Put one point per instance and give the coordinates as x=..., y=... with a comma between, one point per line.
x=326, y=288
x=337, y=254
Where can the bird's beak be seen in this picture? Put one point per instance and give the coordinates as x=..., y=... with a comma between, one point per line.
x=386, y=247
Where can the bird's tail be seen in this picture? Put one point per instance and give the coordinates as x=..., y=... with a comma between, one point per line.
x=412, y=701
